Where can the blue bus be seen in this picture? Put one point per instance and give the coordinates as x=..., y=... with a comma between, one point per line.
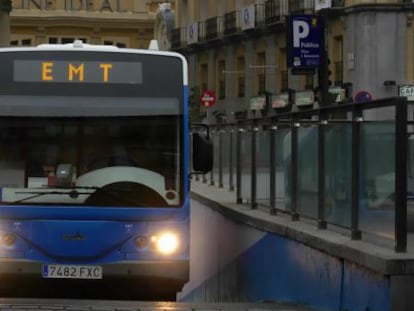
x=94, y=168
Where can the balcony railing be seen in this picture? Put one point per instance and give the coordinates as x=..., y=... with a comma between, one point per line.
x=231, y=23
x=259, y=13
x=178, y=37
x=201, y=31
x=273, y=11
x=301, y=6
x=214, y=27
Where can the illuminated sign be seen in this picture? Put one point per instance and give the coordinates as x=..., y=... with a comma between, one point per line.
x=257, y=102
x=77, y=72
x=304, y=98
x=280, y=101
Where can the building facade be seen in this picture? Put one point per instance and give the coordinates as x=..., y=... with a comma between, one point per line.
x=238, y=49
x=124, y=23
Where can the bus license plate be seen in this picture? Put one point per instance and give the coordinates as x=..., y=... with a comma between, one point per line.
x=72, y=272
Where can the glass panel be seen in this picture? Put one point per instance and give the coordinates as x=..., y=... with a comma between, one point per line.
x=283, y=165
x=308, y=171
x=377, y=205
x=234, y=158
x=263, y=167
x=225, y=152
x=338, y=169
x=410, y=181
x=216, y=144
x=246, y=159
x=82, y=161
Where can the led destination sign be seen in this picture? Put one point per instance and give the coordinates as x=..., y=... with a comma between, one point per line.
x=77, y=72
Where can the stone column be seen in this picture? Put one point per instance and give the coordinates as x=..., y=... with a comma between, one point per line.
x=5, y=8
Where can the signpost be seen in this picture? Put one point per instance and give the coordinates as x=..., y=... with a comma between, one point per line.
x=208, y=98
x=306, y=49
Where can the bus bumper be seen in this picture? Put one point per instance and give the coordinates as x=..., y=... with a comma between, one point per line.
x=168, y=270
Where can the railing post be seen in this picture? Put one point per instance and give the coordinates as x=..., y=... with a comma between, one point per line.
x=238, y=167
x=220, y=164
x=231, y=151
x=401, y=176
x=294, y=171
x=212, y=171
x=321, y=171
x=356, y=143
x=253, y=185
x=272, y=192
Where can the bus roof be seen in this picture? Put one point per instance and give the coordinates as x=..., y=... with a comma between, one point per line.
x=78, y=45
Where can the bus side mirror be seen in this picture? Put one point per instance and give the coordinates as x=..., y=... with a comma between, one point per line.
x=202, y=153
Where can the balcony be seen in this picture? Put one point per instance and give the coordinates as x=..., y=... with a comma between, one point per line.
x=272, y=11
x=214, y=28
x=259, y=14
x=301, y=6
x=178, y=38
x=231, y=23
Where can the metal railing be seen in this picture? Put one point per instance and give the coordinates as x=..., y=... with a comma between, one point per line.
x=349, y=172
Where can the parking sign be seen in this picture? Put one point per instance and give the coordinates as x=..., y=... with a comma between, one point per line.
x=305, y=41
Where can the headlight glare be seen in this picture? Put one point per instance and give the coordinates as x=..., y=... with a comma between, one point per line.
x=165, y=243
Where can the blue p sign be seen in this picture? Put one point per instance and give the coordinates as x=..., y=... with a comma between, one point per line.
x=305, y=41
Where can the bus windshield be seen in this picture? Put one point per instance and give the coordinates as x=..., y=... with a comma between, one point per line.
x=56, y=158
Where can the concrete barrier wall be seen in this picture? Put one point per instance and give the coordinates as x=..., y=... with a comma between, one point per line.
x=235, y=262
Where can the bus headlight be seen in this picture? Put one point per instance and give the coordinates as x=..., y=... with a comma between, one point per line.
x=8, y=239
x=165, y=243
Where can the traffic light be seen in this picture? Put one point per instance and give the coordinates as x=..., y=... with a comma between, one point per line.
x=194, y=103
x=329, y=72
x=324, y=80
x=193, y=96
x=6, y=5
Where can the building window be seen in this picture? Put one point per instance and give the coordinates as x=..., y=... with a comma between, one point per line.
x=261, y=72
x=118, y=44
x=282, y=72
x=221, y=66
x=338, y=61
x=284, y=80
x=21, y=42
x=295, y=5
x=240, y=77
x=203, y=77
x=309, y=82
x=65, y=40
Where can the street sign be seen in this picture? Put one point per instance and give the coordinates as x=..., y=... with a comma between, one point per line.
x=363, y=96
x=208, y=98
x=406, y=91
x=304, y=41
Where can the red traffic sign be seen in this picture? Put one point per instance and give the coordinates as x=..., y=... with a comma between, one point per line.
x=208, y=98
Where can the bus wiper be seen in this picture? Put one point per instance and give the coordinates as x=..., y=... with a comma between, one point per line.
x=35, y=194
